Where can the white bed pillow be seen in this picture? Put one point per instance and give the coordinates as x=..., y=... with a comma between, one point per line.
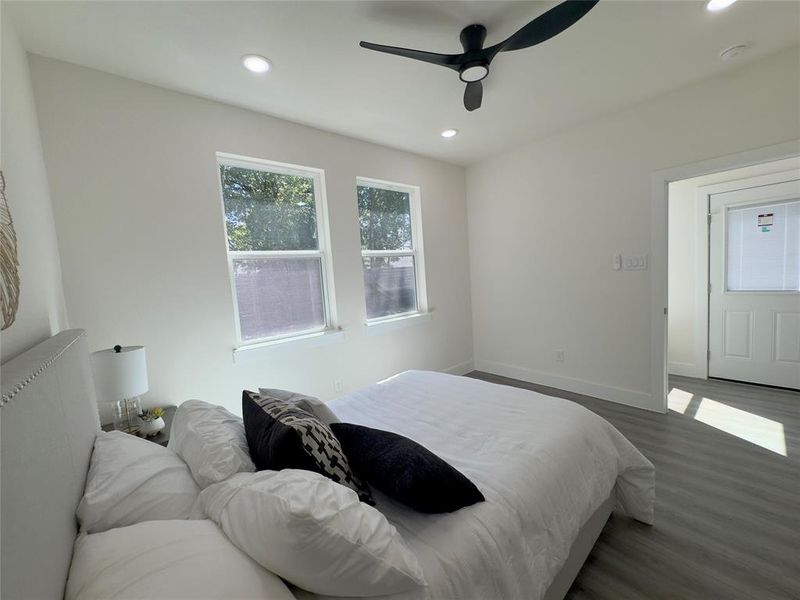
x=310, y=404
x=132, y=480
x=313, y=532
x=167, y=560
x=211, y=440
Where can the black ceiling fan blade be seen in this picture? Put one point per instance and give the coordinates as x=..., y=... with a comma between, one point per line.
x=473, y=95
x=546, y=26
x=451, y=61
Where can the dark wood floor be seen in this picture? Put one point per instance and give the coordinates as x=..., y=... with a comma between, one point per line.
x=727, y=510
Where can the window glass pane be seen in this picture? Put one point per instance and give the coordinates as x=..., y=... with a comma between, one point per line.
x=268, y=211
x=764, y=247
x=391, y=285
x=385, y=219
x=278, y=295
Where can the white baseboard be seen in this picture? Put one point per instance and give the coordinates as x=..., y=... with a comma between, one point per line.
x=570, y=384
x=685, y=369
x=461, y=368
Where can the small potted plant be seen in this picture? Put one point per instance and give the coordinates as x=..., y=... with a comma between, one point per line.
x=152, y=422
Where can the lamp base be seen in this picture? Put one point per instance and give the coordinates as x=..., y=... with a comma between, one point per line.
x=126, y=415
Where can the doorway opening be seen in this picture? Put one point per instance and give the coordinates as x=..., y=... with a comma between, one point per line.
x=734, y=275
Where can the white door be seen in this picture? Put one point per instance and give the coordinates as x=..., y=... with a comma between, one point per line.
x=754, y=276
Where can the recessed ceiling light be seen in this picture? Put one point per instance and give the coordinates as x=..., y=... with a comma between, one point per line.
x=448, y=133
x=255, y=63
x=715, y=5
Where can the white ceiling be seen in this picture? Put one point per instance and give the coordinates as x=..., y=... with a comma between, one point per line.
x=620, y=53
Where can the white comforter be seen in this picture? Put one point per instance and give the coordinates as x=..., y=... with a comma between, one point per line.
x=544, y=465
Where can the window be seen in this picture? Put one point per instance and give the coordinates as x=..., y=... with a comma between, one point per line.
x=391, y=249
x=278, y=256
x=763, y=249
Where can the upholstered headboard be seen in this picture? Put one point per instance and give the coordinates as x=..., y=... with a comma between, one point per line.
x=48, y=423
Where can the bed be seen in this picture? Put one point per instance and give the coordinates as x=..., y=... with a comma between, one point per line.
x=551, y=472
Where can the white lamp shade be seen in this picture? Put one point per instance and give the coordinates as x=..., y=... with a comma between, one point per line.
x=119, y=375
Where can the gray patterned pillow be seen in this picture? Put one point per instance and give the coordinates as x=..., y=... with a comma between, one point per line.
x=310, y=404
x=280, y=435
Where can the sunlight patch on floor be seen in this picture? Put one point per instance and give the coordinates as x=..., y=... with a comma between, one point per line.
x=757, y=430
x=752, y=428
x=678, y=400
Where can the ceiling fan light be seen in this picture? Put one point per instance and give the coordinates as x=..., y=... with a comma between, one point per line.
x=256, y=63
x=717, y=5
x=473, y=73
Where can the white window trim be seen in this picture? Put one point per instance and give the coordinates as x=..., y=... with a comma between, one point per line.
x=395, y=322
x=417, y=250
x=244, y=354
x=323, y=252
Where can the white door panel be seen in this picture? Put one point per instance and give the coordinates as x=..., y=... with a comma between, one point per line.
x=754, y=276
x=787, y=337
x=737, y=334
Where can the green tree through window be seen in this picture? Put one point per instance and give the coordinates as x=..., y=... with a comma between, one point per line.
x=268, y=211
x=385, y=219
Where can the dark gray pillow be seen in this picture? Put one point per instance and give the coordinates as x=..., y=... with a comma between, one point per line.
x=282, y=436
x=405, y=470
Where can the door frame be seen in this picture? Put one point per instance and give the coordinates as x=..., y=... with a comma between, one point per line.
x=703, y=264
x=659, y=197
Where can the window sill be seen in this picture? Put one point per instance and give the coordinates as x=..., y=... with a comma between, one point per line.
x=310, y=340
x=381, y=326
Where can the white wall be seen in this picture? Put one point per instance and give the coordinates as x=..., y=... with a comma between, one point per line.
x=41, y=310
x=687, y=241
x=546, y=219
x=133, y=176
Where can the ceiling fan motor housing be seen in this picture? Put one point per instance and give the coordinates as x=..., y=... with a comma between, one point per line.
x=475, y=66
x=472, y=37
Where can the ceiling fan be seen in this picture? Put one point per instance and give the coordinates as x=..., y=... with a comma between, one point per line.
x=473, y=64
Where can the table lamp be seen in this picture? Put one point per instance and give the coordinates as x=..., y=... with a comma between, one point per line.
x=120, y=377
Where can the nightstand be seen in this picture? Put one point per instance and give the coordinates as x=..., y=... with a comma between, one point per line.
x=163, y=436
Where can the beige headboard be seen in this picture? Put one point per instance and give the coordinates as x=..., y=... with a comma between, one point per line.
x=48, y=423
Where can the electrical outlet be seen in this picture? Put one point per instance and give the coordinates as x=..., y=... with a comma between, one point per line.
x=636, y=263
x=338, y=385
x=560, y=354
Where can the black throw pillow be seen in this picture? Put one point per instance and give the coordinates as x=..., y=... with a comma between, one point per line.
x=281, y=435
x=405, y=470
